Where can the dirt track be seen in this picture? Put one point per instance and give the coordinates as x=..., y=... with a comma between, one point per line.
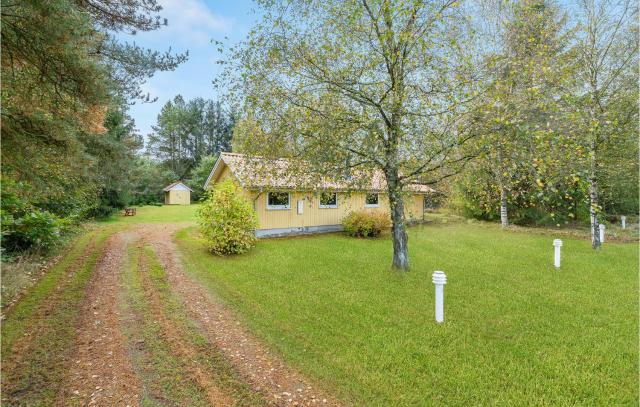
x=100, y=371
x=100, y=367
x=266, y=372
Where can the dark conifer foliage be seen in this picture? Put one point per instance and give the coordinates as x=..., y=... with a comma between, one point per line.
x=67, y=140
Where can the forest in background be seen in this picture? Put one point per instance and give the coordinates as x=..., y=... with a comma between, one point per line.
x=186, y=140
x=541, y=132
x=70, y=149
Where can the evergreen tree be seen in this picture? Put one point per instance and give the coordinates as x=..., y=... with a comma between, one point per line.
x=186, y=132
x=66, y=80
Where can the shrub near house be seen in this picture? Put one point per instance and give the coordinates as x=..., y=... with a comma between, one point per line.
x=227, y=220
x=366, y=224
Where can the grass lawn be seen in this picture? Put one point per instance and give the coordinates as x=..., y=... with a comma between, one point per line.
x=156, y=214
x=517, y=331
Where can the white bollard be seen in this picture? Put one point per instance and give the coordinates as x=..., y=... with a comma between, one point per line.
x=623, y=219
x=439, y=279
x=557, y=244
x=601, y=234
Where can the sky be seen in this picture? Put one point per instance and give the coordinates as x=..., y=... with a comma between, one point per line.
x=192, y=24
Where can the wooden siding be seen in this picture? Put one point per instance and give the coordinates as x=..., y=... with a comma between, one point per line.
x=313, y=215
x=224, y=174
x=177, y=197
x=414, y=207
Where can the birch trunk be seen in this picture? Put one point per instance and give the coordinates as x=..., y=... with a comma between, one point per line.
x=593, y=198
x=504, y=214
x=398, y=226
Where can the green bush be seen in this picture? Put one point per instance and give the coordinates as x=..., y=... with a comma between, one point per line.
x=227, y=220
x=25, y=226
x=366, y=224
x=476, y=195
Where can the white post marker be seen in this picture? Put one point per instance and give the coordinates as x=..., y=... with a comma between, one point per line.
x=601, y=234
x=439, y=279
x=557, y=244
x=623, y=219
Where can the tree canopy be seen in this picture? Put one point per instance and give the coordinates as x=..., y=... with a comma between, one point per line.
x=362, y=85
x=523, y=110
x=67, y=84
x=188, y=131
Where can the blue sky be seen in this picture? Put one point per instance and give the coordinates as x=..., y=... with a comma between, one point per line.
x=192, y=25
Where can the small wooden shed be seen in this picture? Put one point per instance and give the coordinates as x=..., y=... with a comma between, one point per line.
x=177, y=194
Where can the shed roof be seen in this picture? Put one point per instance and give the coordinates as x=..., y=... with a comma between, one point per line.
x=175, y=184
x=260, y=173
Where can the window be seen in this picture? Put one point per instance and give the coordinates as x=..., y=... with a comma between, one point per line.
x=328, y=200
x=278, y=200
x=371, y=201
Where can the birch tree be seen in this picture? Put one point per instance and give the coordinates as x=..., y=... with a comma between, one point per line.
x=607, y=44
x=362, y=85
x=529, y=63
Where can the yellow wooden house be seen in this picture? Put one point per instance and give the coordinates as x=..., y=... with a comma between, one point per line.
x=284, y=206
x=177, y=193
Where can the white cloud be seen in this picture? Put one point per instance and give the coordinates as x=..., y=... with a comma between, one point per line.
x=191, y=26
x=190, y=23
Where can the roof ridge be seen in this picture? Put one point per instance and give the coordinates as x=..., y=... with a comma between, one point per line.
x=173, y=184
x=241, y=166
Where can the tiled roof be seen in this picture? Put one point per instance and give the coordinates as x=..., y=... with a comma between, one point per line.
x=260, y=173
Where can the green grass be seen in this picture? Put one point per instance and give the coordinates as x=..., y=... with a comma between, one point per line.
x=23, y=271
x=38, y=331
x=517, y=331
x=157, y=214
x=209, y=357
x=164, y=371
x=161, y=372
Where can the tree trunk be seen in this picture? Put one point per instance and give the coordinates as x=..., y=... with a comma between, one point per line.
x=394, y=135
x=593, y=213
x=504, y=214
x=593, y=199
x=398, y=227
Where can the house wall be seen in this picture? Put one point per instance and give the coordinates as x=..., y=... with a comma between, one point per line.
x=178, y=197
x=224, y=174
x=313, y=215
x=414, y=207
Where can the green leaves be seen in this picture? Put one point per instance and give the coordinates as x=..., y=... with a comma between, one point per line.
x=187, y=131
x=66, y=82
x=373, y=80
x=366, y=224
x=227, y=220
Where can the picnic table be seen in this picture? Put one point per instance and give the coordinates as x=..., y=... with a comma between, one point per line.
x=129, y=211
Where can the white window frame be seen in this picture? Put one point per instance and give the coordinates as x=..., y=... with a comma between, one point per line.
x=321, y=206
x=375, y=205
x=279, y=207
